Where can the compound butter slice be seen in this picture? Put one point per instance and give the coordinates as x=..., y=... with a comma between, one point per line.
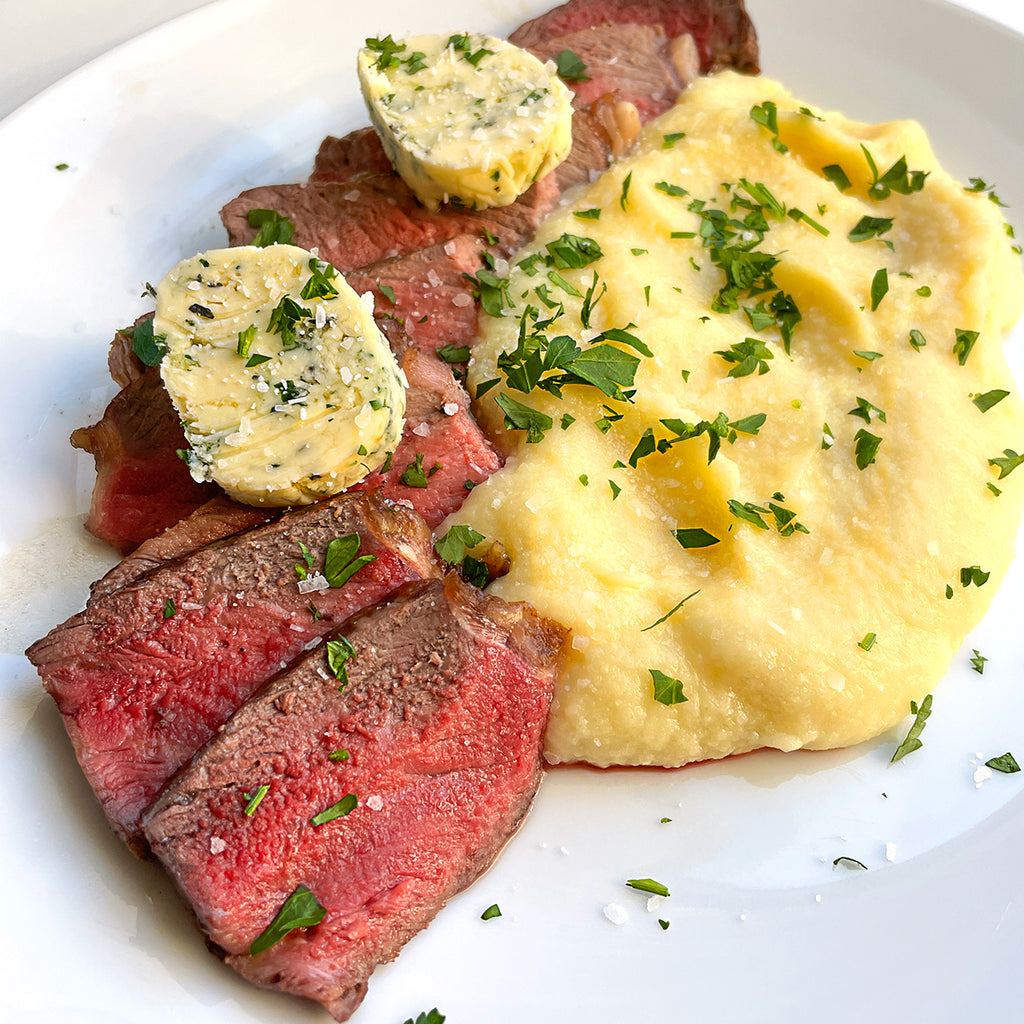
x=467, y=119
x=285, y=386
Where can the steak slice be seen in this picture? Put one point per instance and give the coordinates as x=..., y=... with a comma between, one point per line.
x=147, y=673
x=142, y=487
x=722, y=30
x=218, y=518
x=442, y=453
x=631, y=61
x=339, y=159
x=442, y=719
x=371, y=217
x=428, y=294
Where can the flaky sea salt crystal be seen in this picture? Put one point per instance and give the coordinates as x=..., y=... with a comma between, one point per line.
x=615, y=913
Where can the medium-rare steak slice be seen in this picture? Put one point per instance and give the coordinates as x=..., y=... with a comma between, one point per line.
x=633, y=62
x=443, y=453
x=426, y=294
x=339, y=159
x=371, y=217
x=142, y=486
x=218, y=518
x=722, y=30
x=147, y=673
x=382, y=797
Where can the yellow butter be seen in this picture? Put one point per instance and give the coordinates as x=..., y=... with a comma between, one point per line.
x=285, y=386
x=465, y=118
x=774, y=648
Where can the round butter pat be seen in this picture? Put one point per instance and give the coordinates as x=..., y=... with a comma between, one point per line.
x=467, y=119
x=285, y=386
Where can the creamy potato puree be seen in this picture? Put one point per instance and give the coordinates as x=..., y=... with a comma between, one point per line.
x=775, y=647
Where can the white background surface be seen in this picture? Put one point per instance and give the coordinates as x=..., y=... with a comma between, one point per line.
x=43, y=40
x=763, y=929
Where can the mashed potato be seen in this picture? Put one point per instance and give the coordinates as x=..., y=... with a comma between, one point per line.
x=805, y=456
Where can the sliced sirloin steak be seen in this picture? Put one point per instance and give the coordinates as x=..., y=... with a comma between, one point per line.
x=722, y=29
x=429, y=300
x=632, y=62
x=371, y=217
x=214, y=520
x=442, y=449
x=339, y=159
x=442, y=719
x=142, y=683
x=142, y=486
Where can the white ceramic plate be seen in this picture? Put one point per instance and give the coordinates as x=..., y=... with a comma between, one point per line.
x=158, y=135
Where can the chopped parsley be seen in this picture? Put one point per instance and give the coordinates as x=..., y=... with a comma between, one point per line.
x=747, y=356
x=670, y=613
x=978, y=185
x=452, y=547
x=491, y=912
x=522, y=417
x=879, y=287
x=346, y=805
x=245, y=340
x=868, y=642
x=430, y=1017
x=273, y=229
x=978, y=662
x=648, y=885
x=785, y=519
x=624, y=194
x=671, y=190
x=865, y=409
x=973, y=574
x=339, y=652
x=170, y=609
x=285, y=319
x=1006, y=763
x=570, y=67
x=414, y=475
x=990, y=398
x=667, y=690
x=837, y=176
x=896, y=179
x=964, y=343
x=150, y=348
x=912, y=741
x=1008, y=463
x=454, y=353
x=302, y=570
x=767, y=116
x=255, y=799
x=321, y=282
x=865, y=447
x=338, y=755
x=695, y=537
x=870, y=227
x=491, y=291
x=300, y=910
x=340, y=561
